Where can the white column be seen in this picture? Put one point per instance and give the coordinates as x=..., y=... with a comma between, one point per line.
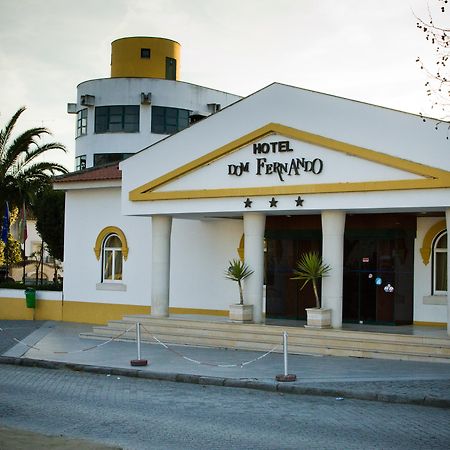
x=161, y=230
x=254, y=226
x=333, y=226
x=447, y=216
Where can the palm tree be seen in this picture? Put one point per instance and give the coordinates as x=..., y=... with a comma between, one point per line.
x=311, y=268
x=238, y=271
x=21, y=173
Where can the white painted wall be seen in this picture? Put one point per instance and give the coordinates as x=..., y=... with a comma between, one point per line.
x=199, y=256
x=423, y=280
x=40, y=295
x=87, y=213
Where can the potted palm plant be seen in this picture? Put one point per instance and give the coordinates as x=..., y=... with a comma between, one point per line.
x=310, y=268
x=237, y=271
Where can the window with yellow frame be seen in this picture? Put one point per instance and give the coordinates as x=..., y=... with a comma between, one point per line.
x=440, y=249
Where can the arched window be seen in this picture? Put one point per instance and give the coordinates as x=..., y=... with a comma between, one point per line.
x=440, y=248
x=112, y=258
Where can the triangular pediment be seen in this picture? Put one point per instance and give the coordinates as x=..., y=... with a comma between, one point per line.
x=280, y=160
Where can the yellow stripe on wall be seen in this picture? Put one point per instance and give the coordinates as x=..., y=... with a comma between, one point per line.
x=100, y=313
x=429, y=324
x=83, y=312
x=206, y=312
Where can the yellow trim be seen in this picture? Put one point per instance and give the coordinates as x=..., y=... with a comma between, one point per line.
x=433, y=177
x=427, y=242
x=207, y=312
x=126, y=58
x=83, y=312
x=99, y=313
x=430, y=324
x=15, y=309
x=241, y=248
x=102, y=235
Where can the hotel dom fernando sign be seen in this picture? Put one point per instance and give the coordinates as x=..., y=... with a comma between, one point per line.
x=265, y=162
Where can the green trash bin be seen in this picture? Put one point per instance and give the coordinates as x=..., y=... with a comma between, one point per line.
x=30, y=297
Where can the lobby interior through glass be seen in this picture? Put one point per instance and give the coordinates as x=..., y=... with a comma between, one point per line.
x=378, y=267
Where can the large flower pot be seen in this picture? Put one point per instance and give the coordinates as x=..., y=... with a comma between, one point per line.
x=241, y=313
x=318, y=318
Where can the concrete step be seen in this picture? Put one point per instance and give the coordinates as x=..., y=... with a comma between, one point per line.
x=312, y=339
x=278, y=330
x=266, y=337
x=303, y=349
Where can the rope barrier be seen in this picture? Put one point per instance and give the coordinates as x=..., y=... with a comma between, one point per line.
x=63, y=352
x=192, y=360
x=204, y=363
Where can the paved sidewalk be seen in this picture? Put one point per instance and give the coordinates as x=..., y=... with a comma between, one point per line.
x=57, y=345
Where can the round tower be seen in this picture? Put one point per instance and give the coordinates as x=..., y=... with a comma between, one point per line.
x=145, y=57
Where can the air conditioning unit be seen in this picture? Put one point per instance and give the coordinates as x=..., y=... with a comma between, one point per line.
x=214, y=107
x=72, y=108
x=146, y=99
x=87, y=100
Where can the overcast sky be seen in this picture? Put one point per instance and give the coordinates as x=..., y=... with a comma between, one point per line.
x=359, y=49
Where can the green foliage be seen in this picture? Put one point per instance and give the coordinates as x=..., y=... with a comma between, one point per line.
x=22, y=172
x=22, y=286
x=238, y=271
x=310, y=268
x=12, y=254
x=49, y=211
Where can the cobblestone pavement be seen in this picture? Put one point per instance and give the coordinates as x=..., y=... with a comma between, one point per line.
x=57, y=345
x=435, y=391
x=141, y=414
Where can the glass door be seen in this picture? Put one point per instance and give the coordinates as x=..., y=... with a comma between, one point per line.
x=378, y=278
x=284, y=300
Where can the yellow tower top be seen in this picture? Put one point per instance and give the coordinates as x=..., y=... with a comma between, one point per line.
x=145, y=57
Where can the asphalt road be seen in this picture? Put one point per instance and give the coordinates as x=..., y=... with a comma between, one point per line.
x=145, y=414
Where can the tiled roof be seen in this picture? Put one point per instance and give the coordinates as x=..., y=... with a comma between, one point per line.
x=109, y=172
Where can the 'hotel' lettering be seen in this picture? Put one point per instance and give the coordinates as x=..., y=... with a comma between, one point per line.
x=272, y=147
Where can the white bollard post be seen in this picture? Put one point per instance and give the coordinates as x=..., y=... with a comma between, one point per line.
x=286, y=376
x=138, y=339
x=138, y=361
x=285, y=350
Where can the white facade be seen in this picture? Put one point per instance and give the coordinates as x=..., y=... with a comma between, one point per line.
x=198, y=251
x=127, y=92
x=383, y=131
x=282, y=154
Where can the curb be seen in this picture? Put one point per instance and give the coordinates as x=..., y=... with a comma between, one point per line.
x=284, y=388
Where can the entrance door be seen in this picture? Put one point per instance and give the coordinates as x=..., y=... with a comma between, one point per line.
x=378, y=267
x=378, y=279
x=283, y=296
